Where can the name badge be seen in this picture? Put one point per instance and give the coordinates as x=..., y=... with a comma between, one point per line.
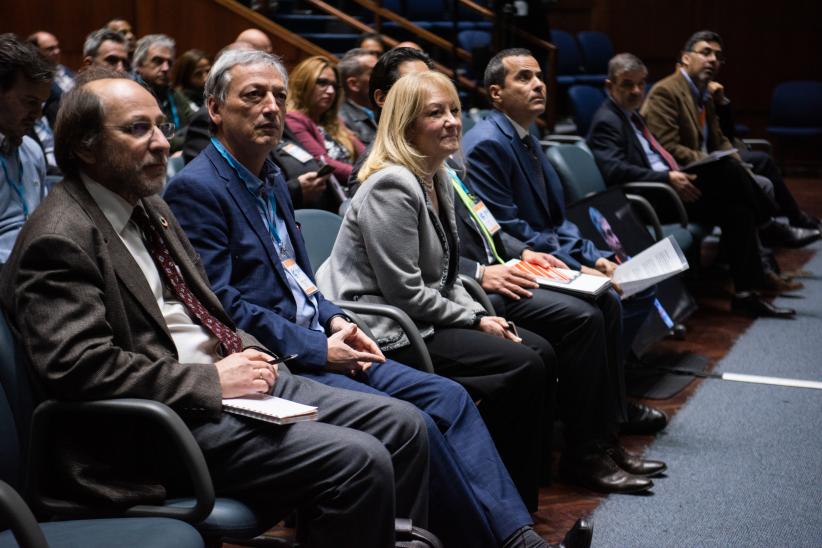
x=297, y=153
x=487, y=218
x=301, y=277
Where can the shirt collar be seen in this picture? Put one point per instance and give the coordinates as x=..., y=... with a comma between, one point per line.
x=115, y=208
x=521, y=131
x=699, y=96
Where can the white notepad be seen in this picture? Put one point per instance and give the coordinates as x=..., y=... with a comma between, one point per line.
x=270, y=409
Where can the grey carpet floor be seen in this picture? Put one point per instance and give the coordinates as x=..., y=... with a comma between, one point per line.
x=745, y=460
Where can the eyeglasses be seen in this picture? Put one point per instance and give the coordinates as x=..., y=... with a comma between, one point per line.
x=707, y=52
x=323, y=83
x=138, y=130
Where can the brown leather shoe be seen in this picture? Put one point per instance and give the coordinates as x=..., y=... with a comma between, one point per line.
x=634, y=464
x=599, y=472
x=777, y=283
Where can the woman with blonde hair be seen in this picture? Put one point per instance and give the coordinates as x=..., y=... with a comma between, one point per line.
x=398, y=246
x=314, y=98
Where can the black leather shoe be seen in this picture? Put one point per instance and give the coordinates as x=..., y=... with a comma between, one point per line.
x=643, y=419
x=753, y=305
x=780, y=234
x=634, y=464
x=580, y=535
x=599, y=472
x=806, y=221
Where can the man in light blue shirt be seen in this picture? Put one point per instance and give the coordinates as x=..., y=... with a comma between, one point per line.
x=25, y=84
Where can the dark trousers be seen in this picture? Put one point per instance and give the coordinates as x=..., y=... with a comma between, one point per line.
x=510, y=383
x=476, y=502
x=348, y=474
x=732, y=200
x=764, y=165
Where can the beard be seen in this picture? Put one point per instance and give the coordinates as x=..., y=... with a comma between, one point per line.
x=128, y=178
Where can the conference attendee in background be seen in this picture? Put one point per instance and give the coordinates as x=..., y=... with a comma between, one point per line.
x=680, y=112
x=627, y=150
x=49, y=46
x=153, y=60
x=257, y=39
x=356, y=111
x=390, y=67
x=105, y=48
x=189, y=76
x=112, y=302
x=372, y=42
x=398, y=245
x=211, y=198
x=25, y=83
x=124, y=28
x=314, y=99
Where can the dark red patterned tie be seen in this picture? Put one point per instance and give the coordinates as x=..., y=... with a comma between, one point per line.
x=158, y=250
x=666, y=156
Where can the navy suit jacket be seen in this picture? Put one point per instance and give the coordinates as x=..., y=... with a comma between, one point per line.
x=223, y=223
x=618, y=152
x=505, y=177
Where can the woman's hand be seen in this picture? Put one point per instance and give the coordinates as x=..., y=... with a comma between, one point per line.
x=494, y=325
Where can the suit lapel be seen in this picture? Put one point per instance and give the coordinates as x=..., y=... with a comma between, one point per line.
x=247, y=205
x=126, y=268
x=630, y=135
x=687, y=97
x=523, y=157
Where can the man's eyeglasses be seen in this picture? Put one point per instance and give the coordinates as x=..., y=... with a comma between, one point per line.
x=323, y=83
x=707, y=52
x=138, y=130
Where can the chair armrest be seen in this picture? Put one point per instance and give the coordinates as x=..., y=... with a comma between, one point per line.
x=477, y=293
x=649, y=213
x=759, y=144
x=408, y=326
x=15, y=514
x=560, y=138
x=649, y=187
x=153, y=411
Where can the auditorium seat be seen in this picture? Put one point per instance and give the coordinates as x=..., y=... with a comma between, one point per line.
x=597, y=50
x=796, y=109
x=585, y=100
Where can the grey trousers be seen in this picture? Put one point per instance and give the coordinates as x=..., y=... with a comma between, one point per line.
x=348, y=474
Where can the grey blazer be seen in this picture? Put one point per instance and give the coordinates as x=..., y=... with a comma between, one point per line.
x=393, y=249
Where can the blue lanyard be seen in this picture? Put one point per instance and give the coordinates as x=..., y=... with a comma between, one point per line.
x=17, y=185
x=459, y=182
x=173, y=105
x=269, y=207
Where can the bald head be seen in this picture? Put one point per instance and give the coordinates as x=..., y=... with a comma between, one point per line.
x=257, y=38
x=48, y=45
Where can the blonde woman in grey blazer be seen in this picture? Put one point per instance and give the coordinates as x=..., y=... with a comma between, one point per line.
x=398, y=246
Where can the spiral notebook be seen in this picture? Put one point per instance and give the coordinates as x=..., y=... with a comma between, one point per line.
x=270, y=409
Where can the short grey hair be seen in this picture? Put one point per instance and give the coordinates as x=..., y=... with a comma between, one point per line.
x=624, y=62
x=219, y=78
x=144, y=43
x=95, y=39
x=350, y=64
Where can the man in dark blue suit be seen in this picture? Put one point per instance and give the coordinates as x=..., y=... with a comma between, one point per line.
x=233, y=203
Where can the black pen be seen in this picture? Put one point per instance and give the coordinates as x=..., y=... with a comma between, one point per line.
x=283, y=359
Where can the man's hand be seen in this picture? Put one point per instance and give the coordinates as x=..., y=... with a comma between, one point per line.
x=312, y=186
x=717, y=91
x=246, y=372
x=682, y=185
x=507, y=280
x=544, y=260
x=494, y=325
x=604, y=268
x=348, y=347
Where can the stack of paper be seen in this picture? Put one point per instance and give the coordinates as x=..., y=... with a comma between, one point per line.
x=564, y=280
x=656, y=263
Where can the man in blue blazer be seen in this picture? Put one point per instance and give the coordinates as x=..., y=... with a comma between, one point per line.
x=233, y=203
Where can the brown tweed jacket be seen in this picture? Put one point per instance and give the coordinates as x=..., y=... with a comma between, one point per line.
x=672, y=116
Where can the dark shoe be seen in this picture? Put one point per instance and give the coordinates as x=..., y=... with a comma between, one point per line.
x=780, y=234
x=753, y=305
x=580, y=535
x=599, y=472
x=634, y=464
x=806, y=221
x=778, y=283
x=643, y=419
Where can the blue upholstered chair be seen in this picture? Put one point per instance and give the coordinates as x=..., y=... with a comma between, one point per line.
x=570, y=64
x=796, y=109
x=24, y=425
x=585, y=100
x=597, y=50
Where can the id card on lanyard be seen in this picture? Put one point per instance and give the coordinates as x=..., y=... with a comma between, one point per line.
x=300, y=277
x=486, y=218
